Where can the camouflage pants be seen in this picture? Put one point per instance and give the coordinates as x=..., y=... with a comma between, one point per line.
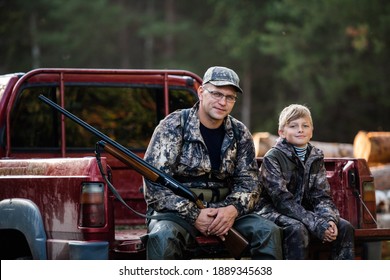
x=169, y=240
x=296, y=239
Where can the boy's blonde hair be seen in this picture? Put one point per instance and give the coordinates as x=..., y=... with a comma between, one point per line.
x=292, y=113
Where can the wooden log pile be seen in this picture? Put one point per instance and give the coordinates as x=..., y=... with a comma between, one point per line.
x=374, y=147
x=381, y=174
x=264, y=141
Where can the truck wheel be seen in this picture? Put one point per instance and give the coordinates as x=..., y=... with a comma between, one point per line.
x=14, y=246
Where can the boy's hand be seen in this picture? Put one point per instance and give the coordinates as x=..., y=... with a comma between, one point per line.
x=331, y=233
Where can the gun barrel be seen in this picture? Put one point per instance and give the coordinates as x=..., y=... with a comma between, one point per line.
x=235, y=243
x=125, y=155
x=129, y=161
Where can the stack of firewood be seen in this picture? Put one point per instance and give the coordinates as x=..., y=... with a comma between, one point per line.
x=375, y=148
x=264, y=141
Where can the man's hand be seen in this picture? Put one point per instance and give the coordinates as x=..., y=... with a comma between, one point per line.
x=204, y=220
x=223, y=221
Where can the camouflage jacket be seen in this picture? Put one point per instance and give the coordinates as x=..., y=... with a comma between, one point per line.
x=181, y=151
x=296, y=189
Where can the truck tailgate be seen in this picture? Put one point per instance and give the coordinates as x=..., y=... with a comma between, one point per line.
x=372, y=234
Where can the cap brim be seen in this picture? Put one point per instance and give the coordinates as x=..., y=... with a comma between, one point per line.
x=224, y=83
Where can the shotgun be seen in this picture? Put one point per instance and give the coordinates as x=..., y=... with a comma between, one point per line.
x=234, y=242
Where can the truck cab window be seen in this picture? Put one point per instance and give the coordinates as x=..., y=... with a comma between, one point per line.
x=34, y=125
x=128, y=115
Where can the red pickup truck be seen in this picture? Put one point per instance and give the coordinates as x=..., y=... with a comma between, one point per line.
x=54, y=203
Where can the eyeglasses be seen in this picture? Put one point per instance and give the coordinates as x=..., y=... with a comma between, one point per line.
x=219, y=95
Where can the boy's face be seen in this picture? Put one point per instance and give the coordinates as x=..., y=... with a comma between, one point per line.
x=297, y=132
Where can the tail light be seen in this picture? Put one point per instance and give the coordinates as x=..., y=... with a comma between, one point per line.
x=92, y=209
x=369, y=200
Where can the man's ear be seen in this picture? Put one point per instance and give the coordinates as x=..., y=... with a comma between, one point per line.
x=281, y=133
x=200, y=92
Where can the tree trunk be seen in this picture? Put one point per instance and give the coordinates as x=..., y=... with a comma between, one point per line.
x=372, y=146
x=149, y=40
x=35, y=49
x=170, y=18
x=246, y=98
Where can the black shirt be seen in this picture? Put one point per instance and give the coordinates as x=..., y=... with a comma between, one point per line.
x=213, y=139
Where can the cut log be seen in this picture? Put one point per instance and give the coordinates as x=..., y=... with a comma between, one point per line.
x=381, y=174
x=336, y=150
x=264, y=141
x=374, y=147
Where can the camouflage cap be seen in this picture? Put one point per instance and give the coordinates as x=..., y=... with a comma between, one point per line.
x=221, y=76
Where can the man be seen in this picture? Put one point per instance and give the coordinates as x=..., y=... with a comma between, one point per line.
x=213, y=154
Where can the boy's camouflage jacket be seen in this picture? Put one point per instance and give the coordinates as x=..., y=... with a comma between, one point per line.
x=182, y=152
x=296, y=189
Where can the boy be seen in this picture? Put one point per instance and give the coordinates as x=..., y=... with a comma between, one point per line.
x=296, y=193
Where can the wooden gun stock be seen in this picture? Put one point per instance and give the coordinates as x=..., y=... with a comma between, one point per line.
x=235, y=243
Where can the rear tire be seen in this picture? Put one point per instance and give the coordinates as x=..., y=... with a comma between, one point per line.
x=14, y=246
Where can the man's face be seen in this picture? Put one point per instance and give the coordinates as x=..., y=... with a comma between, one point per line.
x=217, y=102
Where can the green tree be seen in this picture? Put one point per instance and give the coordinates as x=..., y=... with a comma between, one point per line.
x=236, y=28
x=330, y=55
x=333, y=57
